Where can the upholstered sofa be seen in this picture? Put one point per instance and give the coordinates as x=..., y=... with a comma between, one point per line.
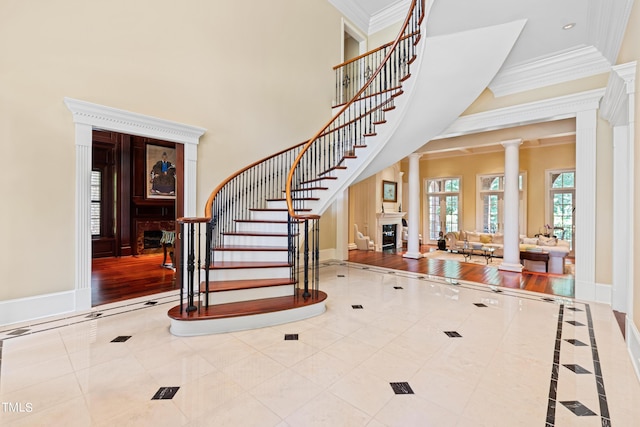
x=558, y=249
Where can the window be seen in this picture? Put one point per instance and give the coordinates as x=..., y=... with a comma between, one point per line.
x=96, y=202
x=490, y=215
x=562, y=201
x=443, y=195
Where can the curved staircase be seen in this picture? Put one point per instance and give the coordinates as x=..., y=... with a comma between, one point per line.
x=253, y=260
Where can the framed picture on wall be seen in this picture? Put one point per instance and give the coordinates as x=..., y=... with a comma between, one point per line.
x=161, y=172
x=389, y=191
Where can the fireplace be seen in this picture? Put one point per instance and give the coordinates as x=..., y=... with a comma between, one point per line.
x=388, y=237
x=148, y=235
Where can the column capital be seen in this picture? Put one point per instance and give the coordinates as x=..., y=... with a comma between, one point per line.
x=512, y=143
x=415, y=155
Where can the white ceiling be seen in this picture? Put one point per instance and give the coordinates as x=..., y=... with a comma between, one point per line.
x=544, y=54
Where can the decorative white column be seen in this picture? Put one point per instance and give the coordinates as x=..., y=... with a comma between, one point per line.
x=617, y=108
x=511, y=257
x=413, y=242
x=585, y=216
x=84, y=136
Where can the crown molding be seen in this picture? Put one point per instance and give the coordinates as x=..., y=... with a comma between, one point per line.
x=395, y=13
x=354, y=13
x=132, y=123
x=607, y=22
x=571, y=65
x=562, y=107
x=615, y=106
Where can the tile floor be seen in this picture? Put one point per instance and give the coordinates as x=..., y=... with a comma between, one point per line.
x=420, y=352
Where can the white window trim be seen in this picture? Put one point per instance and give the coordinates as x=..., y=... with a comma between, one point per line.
x=522, y=221
x=425, y=203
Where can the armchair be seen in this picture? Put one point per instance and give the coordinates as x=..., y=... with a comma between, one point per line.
x=363, y=243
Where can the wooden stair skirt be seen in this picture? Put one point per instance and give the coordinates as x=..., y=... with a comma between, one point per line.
x=238, y=316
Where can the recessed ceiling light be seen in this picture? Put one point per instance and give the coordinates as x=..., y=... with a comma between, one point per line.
x=569, y=26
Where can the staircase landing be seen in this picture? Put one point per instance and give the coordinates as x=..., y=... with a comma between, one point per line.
x=244, y=315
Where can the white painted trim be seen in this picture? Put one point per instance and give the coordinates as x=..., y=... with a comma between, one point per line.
x=328, y=254
x=633, y=344
x=582, y=106
x=392, y=14
x=37, y=307
x=191, y=328
x=559, y=68
x=88, y=116
x=603, y=293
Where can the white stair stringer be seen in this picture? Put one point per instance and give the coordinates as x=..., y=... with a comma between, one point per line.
x=440, y=88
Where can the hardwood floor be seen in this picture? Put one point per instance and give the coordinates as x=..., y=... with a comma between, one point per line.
x=117, y=279
x=552, y=284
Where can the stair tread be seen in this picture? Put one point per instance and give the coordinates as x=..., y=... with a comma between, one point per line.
x=233, y=285
x=278, y=210
x=255, y=233
x=266, y=221
x=250, y=248
x=247, y=308
x=295, y=198
x=230, y=265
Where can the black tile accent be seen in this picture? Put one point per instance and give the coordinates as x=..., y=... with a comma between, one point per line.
x=575, y=342
x=340, y=275
x=575, y=323
x=94, y=315
x=421, y=277
x=553, y=384
x=479, y=304
x=392, y=272
x=291, y=337
x=602, y=396
x=365, y=268
x=497, y=291
x=165, y=393
x=453, y=334
x=574, y=309
x=578, y=408
x=357, y=306
x=151, y=303
x=548, y=299
x=401, y=388
x=19, y=331
x=577, y=369
x=121, y=338
x=398, y=287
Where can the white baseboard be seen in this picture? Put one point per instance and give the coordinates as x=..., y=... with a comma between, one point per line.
x=633, y=344
x=327, y=254
x=603, y=293
x=32, y=308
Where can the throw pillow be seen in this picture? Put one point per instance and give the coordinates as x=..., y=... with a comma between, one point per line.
x=498, y=238
x=547, y=241
x=530, y=241
x=473, y=236
x=485, y=238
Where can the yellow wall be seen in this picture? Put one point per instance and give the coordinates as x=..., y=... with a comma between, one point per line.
x=219, y=65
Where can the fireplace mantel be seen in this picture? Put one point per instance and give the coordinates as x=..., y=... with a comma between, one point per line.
x=384, y=218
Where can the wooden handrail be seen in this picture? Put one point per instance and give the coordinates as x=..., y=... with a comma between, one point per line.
x=375, y=74
x=208, y=207
x=372, y=51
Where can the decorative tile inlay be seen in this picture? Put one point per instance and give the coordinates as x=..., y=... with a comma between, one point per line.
x=497, y=291
x=401, y=388
x=577, y=369
x=392, y=272
x=453, y=334
x=574, y=309
x=357, y=306
x=340, y=275
x=548, y=299
x=398, y=287
x=479, y=304
x=19, y=331
x=365, y=268
x=165, y=393
x=578, y=408
x=575, y=342
x=151, y=303
x=121, y=338
x=291, y=337
x=575, y=323
x=94, y=315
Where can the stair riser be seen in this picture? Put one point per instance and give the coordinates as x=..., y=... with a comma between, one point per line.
x=269, y=215
x=252, y=256
x=225, y=297
x=277, y=204
x=250, y=273
x=272, y=241
x=261, y=227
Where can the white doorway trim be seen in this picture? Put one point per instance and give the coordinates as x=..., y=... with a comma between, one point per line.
x=88, y=116
x=583, y=107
